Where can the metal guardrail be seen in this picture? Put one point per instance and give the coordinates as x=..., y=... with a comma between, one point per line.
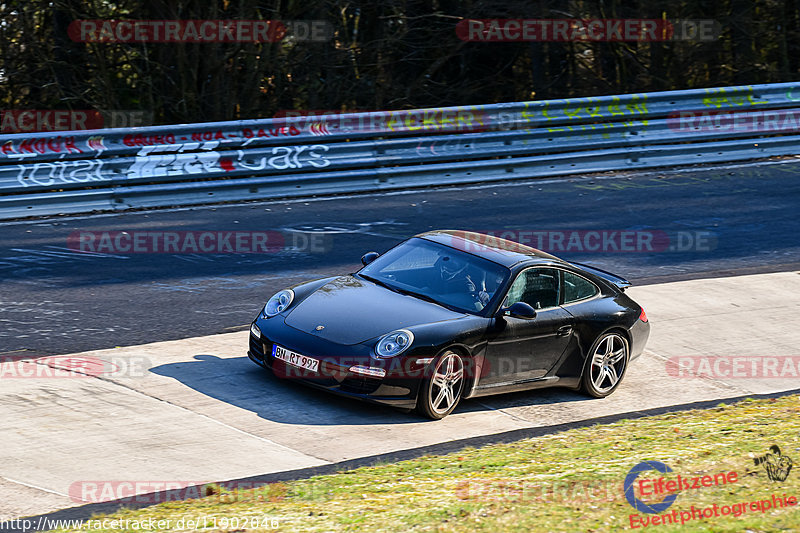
x=187, y=164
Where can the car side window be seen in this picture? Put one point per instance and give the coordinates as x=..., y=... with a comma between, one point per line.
x=577, y=288
x=537, y=287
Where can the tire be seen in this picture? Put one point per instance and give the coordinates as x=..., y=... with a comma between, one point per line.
x=605, y=365
x=447, y=373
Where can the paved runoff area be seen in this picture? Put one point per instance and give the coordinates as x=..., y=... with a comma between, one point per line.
x=134, y=419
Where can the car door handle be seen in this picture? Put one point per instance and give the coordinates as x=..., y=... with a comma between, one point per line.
x=564, y=330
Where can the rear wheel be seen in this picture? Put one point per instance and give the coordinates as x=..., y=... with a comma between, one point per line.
x=441, y=391
x=606, y=365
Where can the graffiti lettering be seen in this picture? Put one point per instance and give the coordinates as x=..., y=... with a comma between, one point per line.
x=277, y=131
x=60, y=172
x=169, y=160
x=719, y=97
x=790, y=94
x=95, y=143
x=42, y=145
x=285, y=157
x=207, y=135
x=150, y=163
x=151, y=140
x=444, y=147
x=585, y=108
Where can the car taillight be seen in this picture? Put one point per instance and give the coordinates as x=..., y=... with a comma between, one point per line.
x=643, y=316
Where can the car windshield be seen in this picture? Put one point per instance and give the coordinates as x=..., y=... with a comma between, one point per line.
x=438, y=273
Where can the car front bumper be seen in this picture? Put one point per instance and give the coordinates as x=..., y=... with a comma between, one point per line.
x=398, y=387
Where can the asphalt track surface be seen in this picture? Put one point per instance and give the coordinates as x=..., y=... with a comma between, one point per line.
x=54, y=300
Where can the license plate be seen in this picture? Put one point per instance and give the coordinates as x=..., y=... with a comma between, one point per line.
x=295, y=359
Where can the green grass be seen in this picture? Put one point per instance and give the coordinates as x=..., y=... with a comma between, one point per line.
x=540, y=484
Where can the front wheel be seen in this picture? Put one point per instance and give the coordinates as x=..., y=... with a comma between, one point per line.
x=605, y=365
x=441, y=392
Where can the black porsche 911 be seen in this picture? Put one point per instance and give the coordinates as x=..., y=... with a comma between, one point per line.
x=447, y=315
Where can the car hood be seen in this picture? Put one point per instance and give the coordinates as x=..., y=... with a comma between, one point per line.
x=353, y=311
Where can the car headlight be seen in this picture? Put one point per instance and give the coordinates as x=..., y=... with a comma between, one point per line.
x=394, y=343
x=279, y=303
x=255, y=331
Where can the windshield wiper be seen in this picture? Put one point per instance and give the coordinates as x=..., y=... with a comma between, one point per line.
x=379, y=282
x=429, y=299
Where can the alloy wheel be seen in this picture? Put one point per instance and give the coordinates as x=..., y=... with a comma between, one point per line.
x=608, y=362
x=447, y=382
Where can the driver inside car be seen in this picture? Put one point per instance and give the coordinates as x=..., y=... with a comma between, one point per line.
x=457, y=278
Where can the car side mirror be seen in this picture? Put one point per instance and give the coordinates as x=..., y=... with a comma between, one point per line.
x=369, y=257
x=519, y=310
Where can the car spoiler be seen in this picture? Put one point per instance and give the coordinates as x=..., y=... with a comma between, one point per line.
x=617, y=281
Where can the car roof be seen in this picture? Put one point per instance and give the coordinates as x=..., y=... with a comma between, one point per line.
x=502, y=251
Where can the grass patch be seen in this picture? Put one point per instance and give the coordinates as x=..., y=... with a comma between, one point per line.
x=570, y=481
